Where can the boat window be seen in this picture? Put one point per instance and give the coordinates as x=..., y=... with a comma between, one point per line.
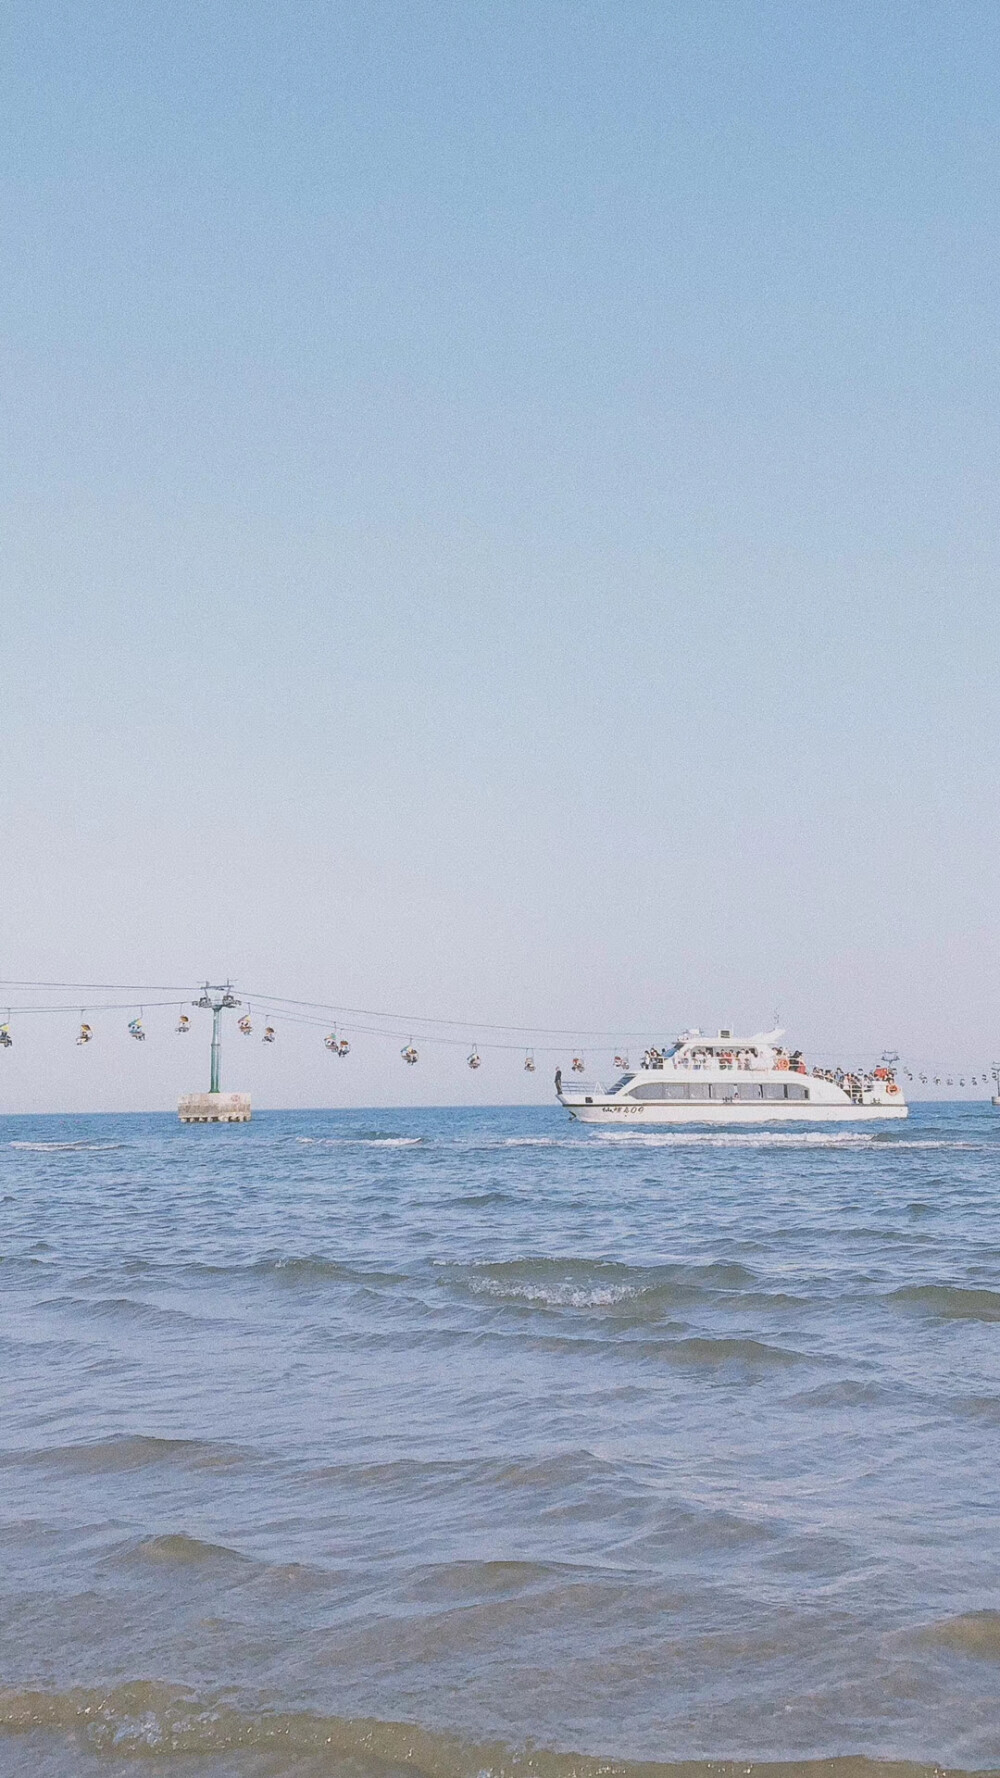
x=622, y=1082
x=672, y=1089
x=663, y=1089
x=724, y=1092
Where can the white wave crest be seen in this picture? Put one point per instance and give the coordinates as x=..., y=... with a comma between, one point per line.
x=555, y=1296
x=67, y=1147
x=361, y=1141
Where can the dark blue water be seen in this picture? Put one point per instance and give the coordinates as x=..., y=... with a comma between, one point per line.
x=529, y=1438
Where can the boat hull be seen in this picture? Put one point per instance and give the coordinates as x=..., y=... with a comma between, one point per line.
x=661, y=1115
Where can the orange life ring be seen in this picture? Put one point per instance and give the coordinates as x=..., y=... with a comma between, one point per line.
x=892, y=1087
x=782, y=1062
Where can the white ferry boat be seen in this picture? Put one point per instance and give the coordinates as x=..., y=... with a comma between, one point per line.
x=724, y=1079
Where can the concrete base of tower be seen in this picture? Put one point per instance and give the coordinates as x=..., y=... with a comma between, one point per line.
x=214, y=1108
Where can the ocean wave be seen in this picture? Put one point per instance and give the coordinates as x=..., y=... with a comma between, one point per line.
x=555, y=1295
x=703, y=1349
x=127, y=1451
x=147, y=1717
x=124, y=1309
x=308, y=1268
x=538, y=1142
x=361, y=1141
x=68, y=1147
x=176, y=1549
x=953, y=1302
x=847, y=1392
x=976, y=1407
x=600, y=1284
x=975, y=1633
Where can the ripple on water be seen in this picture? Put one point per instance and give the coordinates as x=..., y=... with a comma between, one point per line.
x=625, y=1443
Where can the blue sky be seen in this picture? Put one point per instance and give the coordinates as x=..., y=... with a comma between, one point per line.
x=499, y=520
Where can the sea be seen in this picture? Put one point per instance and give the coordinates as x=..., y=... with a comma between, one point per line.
x=473, y=1443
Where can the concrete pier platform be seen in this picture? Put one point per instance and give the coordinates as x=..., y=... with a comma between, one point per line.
x=214, y=1108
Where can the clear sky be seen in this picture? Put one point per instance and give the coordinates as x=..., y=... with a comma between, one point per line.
x=499, y=521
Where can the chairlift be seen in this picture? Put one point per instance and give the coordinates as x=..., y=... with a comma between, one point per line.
x=5, y=1037
x=183, y=1025
x=409, y=1054
x=949, y=1082
x=135, y=1029
x=269, y=1034
x=577, y=1064
x=529, y=1063
x=244, y=1024
x=475, y=1060
x=621, y=1061
x=343, y=1047
x=330, y=1040
x=962, y=1081
x=85, y=1032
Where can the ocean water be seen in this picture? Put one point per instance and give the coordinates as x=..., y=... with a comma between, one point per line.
x=478, y=1442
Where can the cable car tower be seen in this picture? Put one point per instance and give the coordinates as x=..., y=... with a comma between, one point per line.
x=215, y=1106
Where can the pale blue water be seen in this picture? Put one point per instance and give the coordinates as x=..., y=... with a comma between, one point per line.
x=659, y=1447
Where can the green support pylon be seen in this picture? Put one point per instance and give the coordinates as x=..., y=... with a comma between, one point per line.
x=216, y=1049
x=216, y=999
